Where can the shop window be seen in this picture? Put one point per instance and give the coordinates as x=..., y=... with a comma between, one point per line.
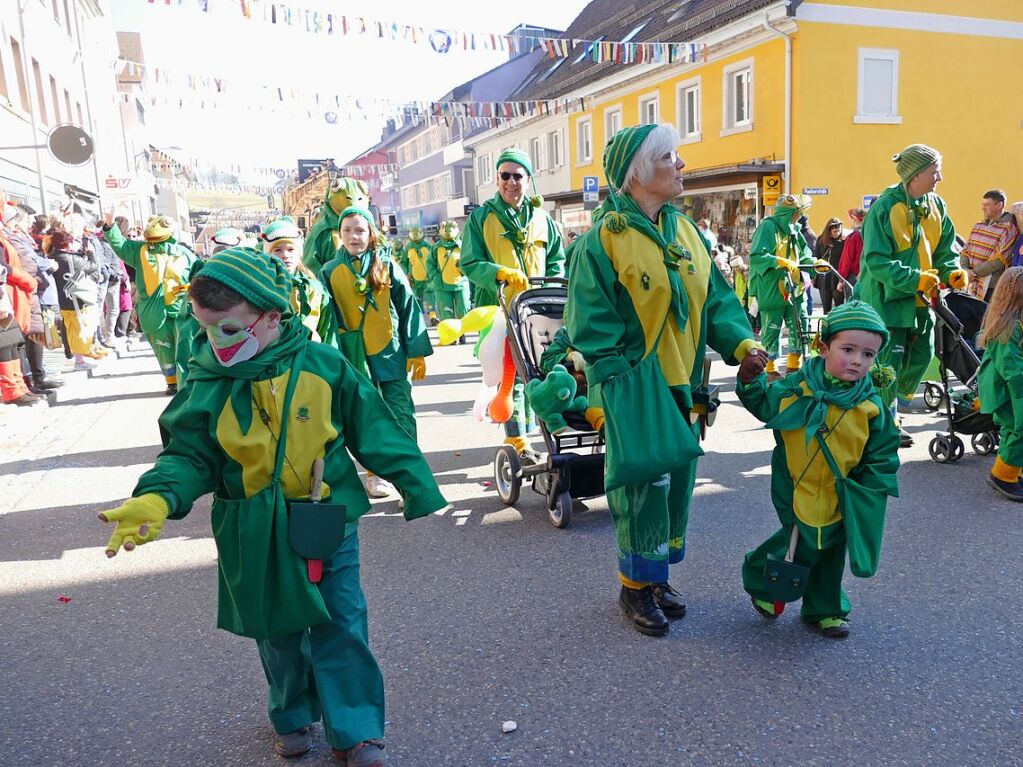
x=612, y=122
x=689, y=117
x=485, y=168
x=877, y=98
x=649, y=109
x=584, y=141
x=738, y=94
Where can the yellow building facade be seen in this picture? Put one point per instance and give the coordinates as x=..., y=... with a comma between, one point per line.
x=868, y=77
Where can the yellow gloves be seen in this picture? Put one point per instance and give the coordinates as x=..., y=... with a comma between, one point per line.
x=821, y=266
x=958, y=279
x=928, y=281
x=786, y=263
x=595, y=417
x=138, y=520
x=417, y=367
x=515, y=278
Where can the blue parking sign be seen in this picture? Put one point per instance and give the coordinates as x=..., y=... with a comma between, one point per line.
x=590, y=184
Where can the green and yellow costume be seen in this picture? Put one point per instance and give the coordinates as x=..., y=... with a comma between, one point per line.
x=414, y=260
x=450, y=286
x=323, y=239
x=162, y=266
x=379, y=331
x=902, y=238
x=499, y=237
x=633, y=282
x=1000, y=389
x=777, y=251
x=861, y=436
x=220, y=435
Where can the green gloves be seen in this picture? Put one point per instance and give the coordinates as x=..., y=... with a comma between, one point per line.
x=139, y=520
x=928, y=281
x=958, y=279
x=417, y=367
x=515, y=278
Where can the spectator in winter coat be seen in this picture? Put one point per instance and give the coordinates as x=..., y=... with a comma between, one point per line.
x=852, y=252
x=81, y=317
x=829, y=248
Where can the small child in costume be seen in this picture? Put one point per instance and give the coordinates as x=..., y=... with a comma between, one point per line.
x=263, y=408
x=1000, y=380
x=835, y=439
x=309, y=299
x=380, y=324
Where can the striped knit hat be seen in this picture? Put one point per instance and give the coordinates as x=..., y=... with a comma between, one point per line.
x=853, y=315
x=913, y=159
x=280, y=231
x=261, y=279
x=620, y=150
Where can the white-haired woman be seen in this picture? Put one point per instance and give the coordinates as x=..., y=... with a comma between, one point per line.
x=645, y=300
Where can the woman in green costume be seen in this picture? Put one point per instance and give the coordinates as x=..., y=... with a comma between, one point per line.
x=833, y=468
x=509, y=239
x=643, y=284
x=380, y=325
x=258, y=382
x=450, y=286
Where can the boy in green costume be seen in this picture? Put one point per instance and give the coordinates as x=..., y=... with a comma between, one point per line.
x=509, y=239
x=162, y=266
x=450, y=286
x=414, y=261
x=908, y=248
x=833, y=398
x=776, y=253
x=258, y=381
x=323, y=239
x=643, y=283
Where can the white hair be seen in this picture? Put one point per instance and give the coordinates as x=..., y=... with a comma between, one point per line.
x=662, y=139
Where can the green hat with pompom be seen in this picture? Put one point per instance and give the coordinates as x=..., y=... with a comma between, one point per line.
x=517, y=156
x=261, y=279
x=618, y=154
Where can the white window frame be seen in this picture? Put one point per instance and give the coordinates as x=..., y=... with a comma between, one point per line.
x=555, y=149
x=485, y=169
x=684, y=87
x=861, y=117
x=538, y=153
x=584, y=127
x=610, y=112
x=645, y=101
x=729, y=125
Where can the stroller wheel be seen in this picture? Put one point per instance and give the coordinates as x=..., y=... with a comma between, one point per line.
x=958, y=448
x=984, y=444
x=561, y=514
x=933, y=396
x=507, y=474
x=940, y=449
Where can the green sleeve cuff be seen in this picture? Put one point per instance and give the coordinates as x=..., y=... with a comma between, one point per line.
x=600, y=371
x=424, y=504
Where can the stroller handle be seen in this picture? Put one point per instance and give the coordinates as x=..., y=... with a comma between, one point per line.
x=831, y=270
x=533, y=282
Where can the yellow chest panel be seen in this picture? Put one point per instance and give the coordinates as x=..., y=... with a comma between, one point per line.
x=639, y=263
x=813, y=498
x=901, y=221
x=502, y=251
x=448, y=264
x=377, y=330
x=417, y=262
x=310, y=429
x=166, y=270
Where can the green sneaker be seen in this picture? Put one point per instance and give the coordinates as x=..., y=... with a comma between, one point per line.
x=834, y=628
x=770, y=610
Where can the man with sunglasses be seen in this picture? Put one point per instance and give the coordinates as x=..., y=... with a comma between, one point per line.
x=509, y=239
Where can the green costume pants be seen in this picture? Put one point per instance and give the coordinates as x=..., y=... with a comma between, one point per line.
x=452, y=304
x=771, y=321
x=164, y=341
x=909, y=351
x=398, y=397
x=824, y=597
x=328, y=671
x=423, y=292
x=1010, y=443
x=186, y=328
x=651, y=522
x=522, y=412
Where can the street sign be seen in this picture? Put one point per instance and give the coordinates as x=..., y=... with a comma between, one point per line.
x=70, y=144
x=868, y=200
x=771, y=188
x=591, y=196
x=815, y=190
x=590, y=184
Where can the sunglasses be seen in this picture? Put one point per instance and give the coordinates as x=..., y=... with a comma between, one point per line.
x=506, y=176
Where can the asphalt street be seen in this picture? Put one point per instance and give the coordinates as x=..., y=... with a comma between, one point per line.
x=484, y=614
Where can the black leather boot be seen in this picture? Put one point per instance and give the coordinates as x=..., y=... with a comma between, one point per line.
x=641, y=607
x=669, y=600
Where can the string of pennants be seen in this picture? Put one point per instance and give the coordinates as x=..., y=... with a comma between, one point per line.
x=444, y=40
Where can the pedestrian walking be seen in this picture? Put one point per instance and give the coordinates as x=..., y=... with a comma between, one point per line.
x=829, y=249
x=450, y=285
x=78, y=278
x=414, y=262
x=266, y=415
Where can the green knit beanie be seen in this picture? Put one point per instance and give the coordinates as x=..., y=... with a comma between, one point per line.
x=853, y=315
x=913, y=159
x=261, y=279
x=354, y=210
x=620, y=150
x=516, y=156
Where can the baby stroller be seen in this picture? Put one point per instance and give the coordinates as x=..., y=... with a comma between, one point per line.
x=957, y=319
x=534, y=317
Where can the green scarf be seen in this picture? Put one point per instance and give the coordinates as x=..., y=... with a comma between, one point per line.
x=516, y=224
x=810, y=409
x=301, y=283
x=673, y=253
x=366, y=263
x=269, y=363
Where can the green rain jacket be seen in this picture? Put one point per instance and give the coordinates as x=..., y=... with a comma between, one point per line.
x=498, y=236
x=323, y=240
x=414, y=259
x=776, y=237
x=901, y=238
x=1000, y=380
x=620, y=296
x=443, y=267
x=161, y=276
x=392, y=324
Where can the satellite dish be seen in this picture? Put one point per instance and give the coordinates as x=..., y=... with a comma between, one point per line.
x=70, y=144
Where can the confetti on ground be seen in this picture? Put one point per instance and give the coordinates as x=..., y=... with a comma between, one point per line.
x=509, y=726
x=65, y=600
